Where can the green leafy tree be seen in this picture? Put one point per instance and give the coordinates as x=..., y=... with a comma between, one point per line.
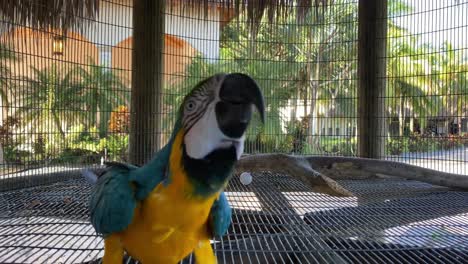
x=312, y=64
x=410, y=75
x=50, y=102
x=423, y=81
x=6, y=92
x=410, y=80
x=101, y=91
x=452, y=70
x=291, y=62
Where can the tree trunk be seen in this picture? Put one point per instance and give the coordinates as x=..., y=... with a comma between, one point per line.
x=305, y=101
x=57, y=123
x=4, y=112
x=294, y=113
x=147, y=79
x=313, y=121
x=422, y=124
x=2, y=158
x=401, y=118
x=411, y=124
x=314, y=86
x=104, y=117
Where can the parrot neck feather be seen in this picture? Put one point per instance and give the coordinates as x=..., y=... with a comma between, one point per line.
x=200, y=178
x=162, y=156
x=155, y=171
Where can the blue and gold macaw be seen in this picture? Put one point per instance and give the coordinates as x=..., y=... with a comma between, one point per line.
x=172, y=206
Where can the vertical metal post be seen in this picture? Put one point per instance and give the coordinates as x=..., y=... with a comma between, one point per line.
x=147, y=70
x=372, y=72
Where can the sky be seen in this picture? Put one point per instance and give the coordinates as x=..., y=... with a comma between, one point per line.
x=438, y=21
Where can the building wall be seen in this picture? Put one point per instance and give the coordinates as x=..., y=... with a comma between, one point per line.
x=34, y=49
x=177, y=55
x=323, y=123
x=109, y=41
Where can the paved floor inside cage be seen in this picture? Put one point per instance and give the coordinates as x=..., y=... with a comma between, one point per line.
x=276, y=220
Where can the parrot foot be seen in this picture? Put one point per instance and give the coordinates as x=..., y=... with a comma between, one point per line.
x=113, y=250
x=204, y=253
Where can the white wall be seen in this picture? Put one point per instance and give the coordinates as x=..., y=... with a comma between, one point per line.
x=320, y=126
x=115, y=24
x=202, y=35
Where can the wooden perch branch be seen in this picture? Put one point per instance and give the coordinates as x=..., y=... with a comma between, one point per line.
x=295, y=166
x=362, y=168
x=320, y=172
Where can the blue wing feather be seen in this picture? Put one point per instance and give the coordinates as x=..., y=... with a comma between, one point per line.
x=220, y=216
x=150, y=175
x=112, y=203
x=118, y=190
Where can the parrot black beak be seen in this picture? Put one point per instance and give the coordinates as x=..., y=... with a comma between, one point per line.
x=238, y=94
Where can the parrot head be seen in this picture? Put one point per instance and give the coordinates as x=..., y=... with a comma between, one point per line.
x=214, y=117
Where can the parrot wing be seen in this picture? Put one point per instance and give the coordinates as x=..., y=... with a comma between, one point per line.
x=112, y=201
x=220, y=216
x=118, y=190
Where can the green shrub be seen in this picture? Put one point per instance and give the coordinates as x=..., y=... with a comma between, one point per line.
x=13, y=155
x=76, y=156
x=116, y=146
x=11, y=142
x=338, y=146
x=297, y=130
x=450, y=142
x=263, y=143
x=397, y=146
x=416, y=143
x=83, y=146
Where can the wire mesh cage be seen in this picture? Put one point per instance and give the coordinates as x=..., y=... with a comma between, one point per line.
x=65, y=106
x=427, y=86
x=276, y=219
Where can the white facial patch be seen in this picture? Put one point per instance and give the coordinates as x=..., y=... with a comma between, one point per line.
x=205, y=136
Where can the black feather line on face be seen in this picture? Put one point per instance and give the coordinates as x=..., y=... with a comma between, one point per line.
x=193, y=120
x=201, y=108
x=203, y=96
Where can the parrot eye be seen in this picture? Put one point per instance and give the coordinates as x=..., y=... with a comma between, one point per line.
x=190, y=106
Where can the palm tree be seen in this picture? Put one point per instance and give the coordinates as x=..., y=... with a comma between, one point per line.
x=452, y=75
x=410, y=80
x=7, y=55
x=425, y=81
x=325, y=64
x=286, y=62
x=49, y=102
x=101, y=91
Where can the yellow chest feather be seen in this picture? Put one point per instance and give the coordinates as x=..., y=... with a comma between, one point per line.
x=166, y=227
x=171, y=222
